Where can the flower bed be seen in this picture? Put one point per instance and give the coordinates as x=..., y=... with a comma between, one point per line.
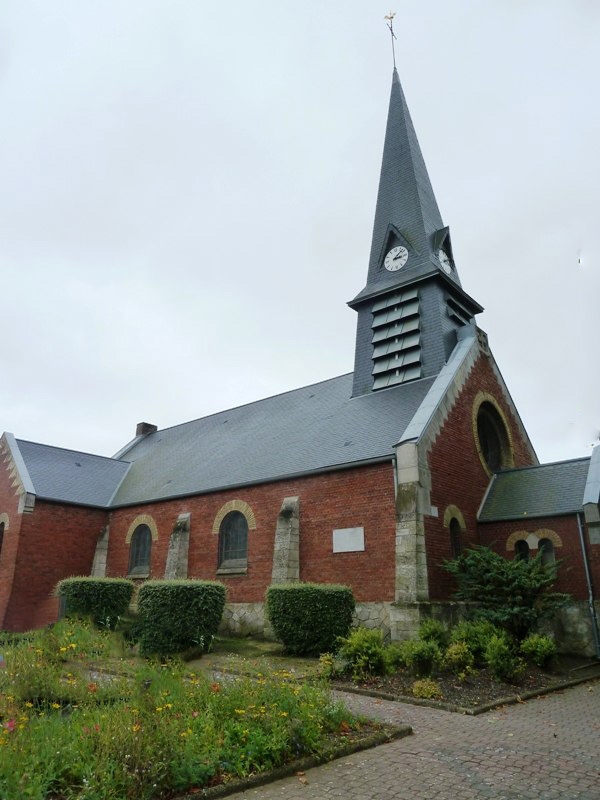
x=154, y=730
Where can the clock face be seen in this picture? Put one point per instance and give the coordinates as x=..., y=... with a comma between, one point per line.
x=444, y=260
x=396, y=258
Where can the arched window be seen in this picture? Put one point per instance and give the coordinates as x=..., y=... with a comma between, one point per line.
x=1, y=536
x=546, y=548
x=493, y=437
x=139, y=551
x=233, y=541
x=455, y=538
x=521, y=550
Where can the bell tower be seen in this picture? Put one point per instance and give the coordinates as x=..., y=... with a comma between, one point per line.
x=413, y=304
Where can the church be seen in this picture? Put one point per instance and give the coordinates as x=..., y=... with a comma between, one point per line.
x=371, y=479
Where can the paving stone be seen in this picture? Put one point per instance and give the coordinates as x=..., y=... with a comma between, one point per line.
x=545, y=749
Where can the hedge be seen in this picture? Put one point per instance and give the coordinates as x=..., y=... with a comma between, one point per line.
x=177, y=615
x=309, y=617
x=102, y=599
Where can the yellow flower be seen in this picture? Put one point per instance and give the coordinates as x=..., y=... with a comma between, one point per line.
x=28, y=704
x=55, y=705
x=135, y=728
x=159, y=709
x=240, y=711
x=63, y=649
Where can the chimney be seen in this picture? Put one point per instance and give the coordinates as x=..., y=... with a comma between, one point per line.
x=144, y=428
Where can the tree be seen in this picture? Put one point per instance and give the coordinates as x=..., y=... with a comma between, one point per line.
x=514, y=595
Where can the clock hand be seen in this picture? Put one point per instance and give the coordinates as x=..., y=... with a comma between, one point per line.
x=398, y=256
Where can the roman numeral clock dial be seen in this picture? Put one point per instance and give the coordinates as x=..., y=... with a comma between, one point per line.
x=396, y=258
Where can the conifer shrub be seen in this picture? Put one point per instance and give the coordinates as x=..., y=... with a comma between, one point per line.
x=432, y=630
x=104, y=600
x=427, y=689
x=538, y=649
x=310, y=618
x=475, y=634
x=422, y=657
x=512, y=594
x=178, y=615
x=501, y=659
x=363, y=652
x=458, y=658
x=398, y=655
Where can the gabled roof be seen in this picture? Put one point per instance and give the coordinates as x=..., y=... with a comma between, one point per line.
x=308, y=430
x=70, y=476
x=545, y=490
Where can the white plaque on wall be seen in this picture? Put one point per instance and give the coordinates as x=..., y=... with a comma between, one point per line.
x=348, y=540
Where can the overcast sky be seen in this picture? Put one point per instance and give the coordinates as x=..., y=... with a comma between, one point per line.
x=187, y=191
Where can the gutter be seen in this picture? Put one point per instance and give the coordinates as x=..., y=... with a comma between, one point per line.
x=588, y=578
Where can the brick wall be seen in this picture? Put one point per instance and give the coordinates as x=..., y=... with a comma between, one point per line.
x=457, y=475
x=571, y=575
x=345, y=499
x=56, y=541
x=9, y=503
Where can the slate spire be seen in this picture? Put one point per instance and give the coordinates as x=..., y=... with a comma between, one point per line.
x=406, y=212
x=412, y=306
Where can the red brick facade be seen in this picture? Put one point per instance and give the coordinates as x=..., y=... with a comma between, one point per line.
x=55, y=541
x=362, y=497
x=457, y=475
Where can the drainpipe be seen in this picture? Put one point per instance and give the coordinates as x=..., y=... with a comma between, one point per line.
x=588, y=579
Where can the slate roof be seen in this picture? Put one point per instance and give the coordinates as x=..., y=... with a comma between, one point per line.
x=70, y=476
x=540, y=491
x=299, y=432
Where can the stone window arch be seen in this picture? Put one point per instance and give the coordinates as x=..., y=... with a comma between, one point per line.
x=140, y=536
x=492, y=435
x=232, y=523
x=455, y=522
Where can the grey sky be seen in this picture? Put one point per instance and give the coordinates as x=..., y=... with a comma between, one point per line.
x=188, y=189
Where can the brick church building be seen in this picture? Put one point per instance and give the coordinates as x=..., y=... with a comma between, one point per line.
x=371, y=479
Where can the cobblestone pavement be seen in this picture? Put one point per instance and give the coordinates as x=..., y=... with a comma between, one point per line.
x=545, y=749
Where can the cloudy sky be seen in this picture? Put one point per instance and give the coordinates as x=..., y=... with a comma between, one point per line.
x=187, y=192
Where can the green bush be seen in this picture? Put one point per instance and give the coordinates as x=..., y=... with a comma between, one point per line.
x=427, y=689
x=104, y=600
x=432, y=630
x=501, y=659
x=422, y=657
x=178, y=615
x=512, y=594
x=538, y=648
x=363, y=651
x=458, y=658
x=310, y=618
x=476, y=635
x=398, y=655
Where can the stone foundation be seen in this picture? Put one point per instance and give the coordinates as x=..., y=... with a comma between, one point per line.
x=571, y=628
x=245, y=619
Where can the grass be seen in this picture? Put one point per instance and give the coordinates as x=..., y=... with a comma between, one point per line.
x=141, y=730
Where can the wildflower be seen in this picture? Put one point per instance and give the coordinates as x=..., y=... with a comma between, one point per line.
x=195, y=714
x=10, y=725
x=137, y=727
x=240, y=710
x=63, y=649
x=92, y=687
x=55, y=705
x=28, y=704
x=215, y=687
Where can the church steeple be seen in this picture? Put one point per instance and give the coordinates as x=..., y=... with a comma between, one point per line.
x=412, y=302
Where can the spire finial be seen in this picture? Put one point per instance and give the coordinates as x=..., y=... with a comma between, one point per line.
x=390, y=23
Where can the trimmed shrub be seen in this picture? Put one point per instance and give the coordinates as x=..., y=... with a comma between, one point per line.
x=476, y=635
x=538, y=648
x=422, y=657
x=432, y=630
x=458, y=658
x=310, y=618
x=501, y=659
x=104, y=600
x=178, y=615
x=364, y=652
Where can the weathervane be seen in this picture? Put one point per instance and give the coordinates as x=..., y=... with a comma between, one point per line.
x=390, y=23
